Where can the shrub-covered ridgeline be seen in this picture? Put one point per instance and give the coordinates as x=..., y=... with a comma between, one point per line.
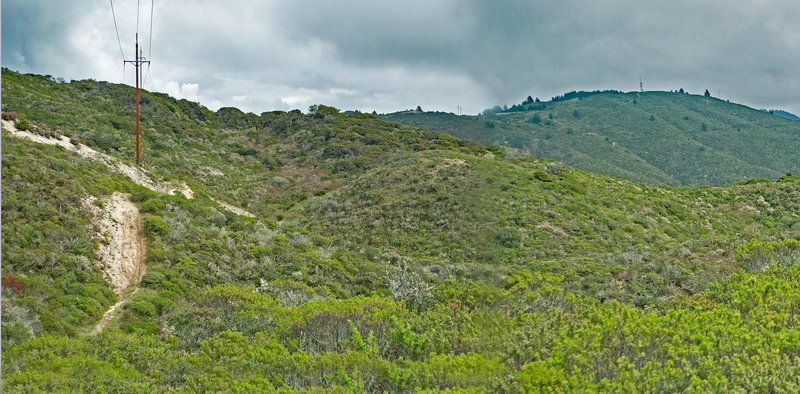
x=657, y=138
x=397, y=259
x=264, y=163
x=611, y=238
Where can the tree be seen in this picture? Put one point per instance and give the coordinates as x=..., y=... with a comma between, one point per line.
x=681, y=91
x=419, y=109
x=322, y=111
x=707, y=94
x=528, y=100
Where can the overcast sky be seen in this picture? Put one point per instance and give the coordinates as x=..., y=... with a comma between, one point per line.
x=261, y=55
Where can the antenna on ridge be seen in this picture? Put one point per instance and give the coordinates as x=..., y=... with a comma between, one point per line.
x=641, y=87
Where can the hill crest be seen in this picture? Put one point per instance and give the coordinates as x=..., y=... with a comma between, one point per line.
x=659, y=138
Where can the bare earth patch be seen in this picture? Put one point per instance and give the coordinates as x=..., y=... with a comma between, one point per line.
x=236, y=210
x=122, y=251
x=137, y=174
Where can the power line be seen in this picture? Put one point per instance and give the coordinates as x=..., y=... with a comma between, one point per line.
x=150, y=45
x=137, y=20
x=116, y=30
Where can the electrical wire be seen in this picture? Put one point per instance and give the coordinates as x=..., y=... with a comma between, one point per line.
x=149, y=45
x=116, y=30
x=146, y=74
x=137, y=20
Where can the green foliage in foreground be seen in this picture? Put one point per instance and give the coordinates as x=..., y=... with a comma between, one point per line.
x=530, y=335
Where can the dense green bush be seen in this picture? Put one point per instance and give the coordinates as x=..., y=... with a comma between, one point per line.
x=155, y=225
x=22, y=123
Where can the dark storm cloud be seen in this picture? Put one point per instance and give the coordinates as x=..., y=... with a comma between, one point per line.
x=390, y=55
x=513, y=47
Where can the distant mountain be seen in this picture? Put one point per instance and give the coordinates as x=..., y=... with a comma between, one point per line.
x=782, y=114
x=659, y=138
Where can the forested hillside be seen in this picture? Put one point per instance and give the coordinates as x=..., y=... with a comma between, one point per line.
x=377, y=257
x=657, y=138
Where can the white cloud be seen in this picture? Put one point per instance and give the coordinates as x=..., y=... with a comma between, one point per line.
x=189, y=91
x=186, y=91
x=294, y=101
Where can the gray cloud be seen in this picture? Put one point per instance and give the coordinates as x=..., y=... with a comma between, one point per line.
x=389, y=55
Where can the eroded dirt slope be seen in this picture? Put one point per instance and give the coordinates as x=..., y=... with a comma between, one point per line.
x=122, y=250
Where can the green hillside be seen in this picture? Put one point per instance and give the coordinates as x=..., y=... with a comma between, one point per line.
x=658, y=138
x=612, y=238
x=264, y=163
x=381, y=258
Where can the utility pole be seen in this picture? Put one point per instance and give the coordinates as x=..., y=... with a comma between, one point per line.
x=641, y=87
x=139, y=60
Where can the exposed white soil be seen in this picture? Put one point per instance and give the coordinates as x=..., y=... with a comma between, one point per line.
x=122, y=250
x=137, y=174
x=211, y=171
x=236, y=210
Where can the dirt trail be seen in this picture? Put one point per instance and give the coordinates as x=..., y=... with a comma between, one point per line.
x=137, y=174
x=122, y=250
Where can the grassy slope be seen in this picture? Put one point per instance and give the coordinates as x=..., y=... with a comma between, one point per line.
x=427, y=264
x=658, y=140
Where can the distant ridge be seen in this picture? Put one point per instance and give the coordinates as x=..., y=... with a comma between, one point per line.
x=658, y=138
x=782, y=114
